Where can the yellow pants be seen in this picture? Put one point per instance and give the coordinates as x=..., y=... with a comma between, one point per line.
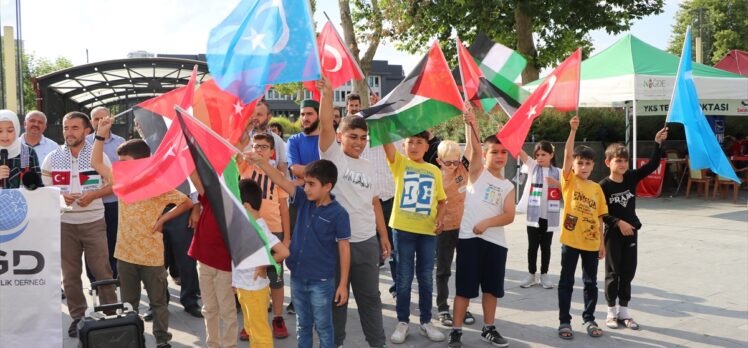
x=254, y=308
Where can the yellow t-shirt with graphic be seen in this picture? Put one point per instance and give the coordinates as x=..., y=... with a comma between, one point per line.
x=418, y=190
x=584, y=204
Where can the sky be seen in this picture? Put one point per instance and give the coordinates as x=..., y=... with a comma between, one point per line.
x=109, y=29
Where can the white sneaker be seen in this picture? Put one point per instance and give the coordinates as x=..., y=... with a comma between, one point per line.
x=401, y=332
x=431, y=332
x=531, y=280
x=545, y=281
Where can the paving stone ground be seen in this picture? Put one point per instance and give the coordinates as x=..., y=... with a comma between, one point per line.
x=690, y=290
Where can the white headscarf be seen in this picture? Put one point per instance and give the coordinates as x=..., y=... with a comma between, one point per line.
x=15, y=148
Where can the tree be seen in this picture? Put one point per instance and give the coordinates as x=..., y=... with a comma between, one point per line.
x=722, y=24
x=34, y=67
x=544, y=31
x=364, y=25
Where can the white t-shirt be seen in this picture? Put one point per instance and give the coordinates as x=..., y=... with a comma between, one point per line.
x=77, y=215
x=485, y=199
x=354, y=190
x=384, y=184
x=245, y=278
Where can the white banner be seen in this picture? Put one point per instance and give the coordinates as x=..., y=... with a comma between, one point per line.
x=30, y=268
x=710, y=107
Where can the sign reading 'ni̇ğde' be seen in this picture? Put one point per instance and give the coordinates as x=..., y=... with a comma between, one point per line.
x=30, y=268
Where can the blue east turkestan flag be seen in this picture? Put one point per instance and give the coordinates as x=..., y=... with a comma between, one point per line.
x=263, y=42
x=703, y=149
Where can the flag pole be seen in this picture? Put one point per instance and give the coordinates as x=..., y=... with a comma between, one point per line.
x=677, y=74
x=207, y=129
x=121, y=113
x=462, y=80
x=355, y=58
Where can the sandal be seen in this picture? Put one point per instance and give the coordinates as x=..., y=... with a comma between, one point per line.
x=593, y=330
x=630, y=323
x=565, y=332
x=611, y=322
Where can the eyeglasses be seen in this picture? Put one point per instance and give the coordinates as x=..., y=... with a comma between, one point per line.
x=260, y=147
x=355, y=137
x=451, y=163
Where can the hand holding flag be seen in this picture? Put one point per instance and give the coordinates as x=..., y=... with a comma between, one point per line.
x=337, y=62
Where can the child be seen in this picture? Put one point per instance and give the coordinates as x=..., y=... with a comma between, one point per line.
x=252, y=285
x=541, y=201
x=21, y=158
x=581, y=235
x=417, y=215
x=482, y=247
x=356, y=194
x=140, y=244
x=318, y=243
x=274, y=212
x=454, y=173
x=622, y=226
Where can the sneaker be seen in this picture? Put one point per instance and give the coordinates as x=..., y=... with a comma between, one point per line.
x=430, y=331
x=469, y=318
x=73, y=329
x=545, y=281
x=279, y=328
x=164, y=345
x=455, y=339
x=494, y=337
x=445, y=319
x=531, y=280
x=400, y=333
x=244, y=336
x=290, y=309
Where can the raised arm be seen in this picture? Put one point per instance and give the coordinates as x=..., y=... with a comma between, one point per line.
x=569, y=148
x=389, y=150
x=472, y=143
x=523, y=156
x=654, y=159
x=275, y=176
x=97, y=155
x=326, y=126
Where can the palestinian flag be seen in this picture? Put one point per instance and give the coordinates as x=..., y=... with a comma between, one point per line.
x=426, y=98
x=240, y=232
x=501, y=66
x=476, y=87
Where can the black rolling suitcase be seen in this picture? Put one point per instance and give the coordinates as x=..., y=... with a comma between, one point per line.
x=121, y=330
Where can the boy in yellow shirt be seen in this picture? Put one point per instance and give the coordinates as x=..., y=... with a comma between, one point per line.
x=581, y=233
x=417, y=215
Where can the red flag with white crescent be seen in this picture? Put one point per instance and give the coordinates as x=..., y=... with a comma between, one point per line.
x=336, y=61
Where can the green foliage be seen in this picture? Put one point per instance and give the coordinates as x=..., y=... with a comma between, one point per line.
x=37, y=66
x=292, y=89
x=723, y=26
x=289, y=128
x=559, y=26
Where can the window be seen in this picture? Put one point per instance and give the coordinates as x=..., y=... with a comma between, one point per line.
x=373, y=81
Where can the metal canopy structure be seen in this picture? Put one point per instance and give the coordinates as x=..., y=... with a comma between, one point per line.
x=117, y=84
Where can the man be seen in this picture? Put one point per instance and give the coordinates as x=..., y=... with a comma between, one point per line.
x=336, y=118
x=260, y=120
x=353, y=103
x=111, y=143
x=83, y=226
x=35, y=124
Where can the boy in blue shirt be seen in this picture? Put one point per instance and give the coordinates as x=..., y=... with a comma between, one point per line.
x=320, y=238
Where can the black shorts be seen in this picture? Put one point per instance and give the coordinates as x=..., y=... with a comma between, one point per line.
x=479, y=263
x=276, y=279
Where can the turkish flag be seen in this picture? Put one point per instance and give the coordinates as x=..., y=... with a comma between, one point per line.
x=170, y=165
x=61, y=178
x=222, y=111
x=559, y=89
x=182, y=96
x=337, y=63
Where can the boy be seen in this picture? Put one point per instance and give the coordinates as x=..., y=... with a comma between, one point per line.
x=415, y=221
x=622, y=226
x=319, y=241
x=581, y=234
x=274, y=212
x=356, y=194
x=252, y=285
x=482, y=247
x=140, y=244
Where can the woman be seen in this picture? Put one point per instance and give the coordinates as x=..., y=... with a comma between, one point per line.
x=21, y=160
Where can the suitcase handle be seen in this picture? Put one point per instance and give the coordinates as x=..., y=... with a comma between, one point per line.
x=100, y=283
x=109, y=307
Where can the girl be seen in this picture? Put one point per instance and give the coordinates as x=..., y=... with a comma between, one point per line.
x=21, y=160
x=541, y=201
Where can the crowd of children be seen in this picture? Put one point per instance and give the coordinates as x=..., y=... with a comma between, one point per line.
x=339, y=236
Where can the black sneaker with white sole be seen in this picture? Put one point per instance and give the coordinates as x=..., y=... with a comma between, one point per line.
x=455, y=339
x=445, y=319
x=493, y=337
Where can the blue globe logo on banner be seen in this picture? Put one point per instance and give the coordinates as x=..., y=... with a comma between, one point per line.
x=14, y=213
